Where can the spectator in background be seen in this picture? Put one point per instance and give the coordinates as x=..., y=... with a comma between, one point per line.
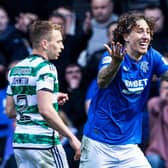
x=101, y=15
x=130, y=5
x=11, y=44
x=23, y=22
x=74, y=108
x=160, y=38
x=73, y=26
x=6, y=125
x=4, y=121
x=157, y=151
x=91, y=68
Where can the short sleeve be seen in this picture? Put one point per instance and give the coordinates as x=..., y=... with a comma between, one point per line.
x=105, y=60
x=9, y=89
x=47, y=77
x=161, y=65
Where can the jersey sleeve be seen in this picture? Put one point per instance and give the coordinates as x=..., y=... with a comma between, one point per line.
x=105, y=60
x=47, y=76
x=9, y=89
x=160, y=65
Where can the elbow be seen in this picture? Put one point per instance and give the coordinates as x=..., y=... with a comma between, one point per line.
x=43, y=111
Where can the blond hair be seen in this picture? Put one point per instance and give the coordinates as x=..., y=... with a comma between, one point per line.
x=42, y=30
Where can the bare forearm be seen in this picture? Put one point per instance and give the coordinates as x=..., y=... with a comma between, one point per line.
x=106, y=75
x=10, y=107
x=11, y=115
x=53, y=119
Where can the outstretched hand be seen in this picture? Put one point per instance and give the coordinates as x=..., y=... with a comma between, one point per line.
x=116, y=51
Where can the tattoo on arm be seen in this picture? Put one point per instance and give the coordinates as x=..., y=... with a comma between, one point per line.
x=107, y=74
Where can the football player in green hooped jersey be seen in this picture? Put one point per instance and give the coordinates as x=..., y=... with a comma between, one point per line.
x=33, y=98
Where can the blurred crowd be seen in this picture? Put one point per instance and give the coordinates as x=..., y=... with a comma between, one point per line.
x=78, y=63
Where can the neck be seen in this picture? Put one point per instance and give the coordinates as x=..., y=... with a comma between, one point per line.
x=135, y=56
x=39, y=52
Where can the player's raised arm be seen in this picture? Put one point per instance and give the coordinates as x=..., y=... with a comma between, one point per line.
x=106, y=74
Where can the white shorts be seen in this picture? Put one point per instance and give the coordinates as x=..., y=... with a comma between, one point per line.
x=95, y=154
x=41, y=158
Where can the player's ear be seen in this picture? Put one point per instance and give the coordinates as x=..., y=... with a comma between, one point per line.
x=125, y=36
x=44, y=44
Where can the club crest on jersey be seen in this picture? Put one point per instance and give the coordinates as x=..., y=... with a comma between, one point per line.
x=144, y=66
x=48, y=79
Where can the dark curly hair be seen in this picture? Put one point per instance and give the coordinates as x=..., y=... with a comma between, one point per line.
x=127, y=22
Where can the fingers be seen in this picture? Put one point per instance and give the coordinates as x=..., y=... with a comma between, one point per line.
x=61, y=102
x=62, y=98
x=116, y=51
x=77, y=155
x=65, y=97
x=107, y=48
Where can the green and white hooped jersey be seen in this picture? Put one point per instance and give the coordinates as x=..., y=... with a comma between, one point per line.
x=25, y=79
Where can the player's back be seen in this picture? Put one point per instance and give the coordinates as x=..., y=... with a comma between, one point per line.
x=25, y=79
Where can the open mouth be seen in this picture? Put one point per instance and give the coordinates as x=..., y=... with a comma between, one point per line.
x=143, y=45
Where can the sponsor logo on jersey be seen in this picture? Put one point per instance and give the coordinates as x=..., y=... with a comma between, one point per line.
x=20, y=81
x=23, y=71
x=135, y=86
x=48, y=79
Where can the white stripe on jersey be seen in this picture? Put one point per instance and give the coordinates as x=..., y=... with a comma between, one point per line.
x=35, y=130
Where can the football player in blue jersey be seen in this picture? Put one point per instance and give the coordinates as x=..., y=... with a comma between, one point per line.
x=114, y=126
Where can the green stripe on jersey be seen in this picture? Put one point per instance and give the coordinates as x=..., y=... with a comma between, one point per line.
x=56, y=87
x=33, y=123
x=28, y=90
x=35, y=139
x=34, y=109
x=29, y=110
x=55, y=105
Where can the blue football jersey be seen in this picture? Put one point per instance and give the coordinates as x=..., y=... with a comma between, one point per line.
x=115, y=113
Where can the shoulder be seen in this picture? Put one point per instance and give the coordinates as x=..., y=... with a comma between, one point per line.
x=40, y=64
x=153, y=52
x=47, y=70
